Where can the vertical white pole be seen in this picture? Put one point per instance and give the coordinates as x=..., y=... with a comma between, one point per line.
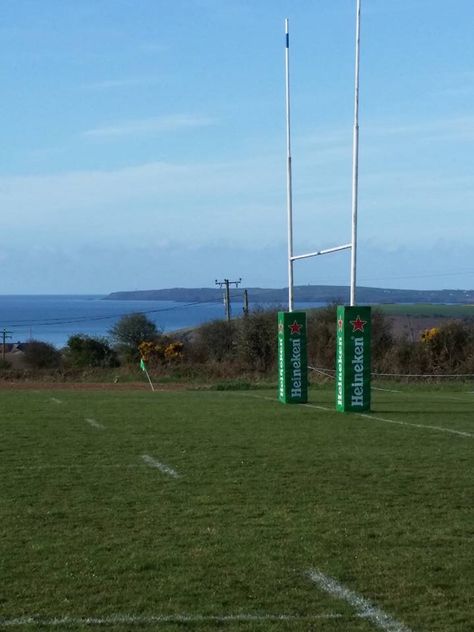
x=289, y=195
x=355, y=162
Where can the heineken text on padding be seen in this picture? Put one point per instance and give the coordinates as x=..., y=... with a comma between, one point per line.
x=292, y=358
x=353, y=359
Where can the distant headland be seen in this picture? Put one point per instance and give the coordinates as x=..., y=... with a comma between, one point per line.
x=302, y=294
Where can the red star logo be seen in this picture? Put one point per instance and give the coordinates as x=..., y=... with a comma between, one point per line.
x=295, y=328
x=340, y=323
x=358, y=324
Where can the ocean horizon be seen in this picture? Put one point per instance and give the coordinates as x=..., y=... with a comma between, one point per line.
x=53, y=318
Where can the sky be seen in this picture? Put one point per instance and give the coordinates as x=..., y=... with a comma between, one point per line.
x=144, y=147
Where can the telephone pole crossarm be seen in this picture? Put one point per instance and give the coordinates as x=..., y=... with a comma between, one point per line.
x=226, y=284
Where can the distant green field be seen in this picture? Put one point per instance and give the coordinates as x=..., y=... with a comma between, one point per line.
x=428, y=310
x=229, y=511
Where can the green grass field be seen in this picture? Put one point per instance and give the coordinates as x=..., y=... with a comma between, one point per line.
x=229, y=511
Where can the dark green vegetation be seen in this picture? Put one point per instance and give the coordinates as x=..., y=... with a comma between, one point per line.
x=429, y=310
x=265, y=493
x=86, y=351
x=130, y=331
x=302, y=293
x=245, y=348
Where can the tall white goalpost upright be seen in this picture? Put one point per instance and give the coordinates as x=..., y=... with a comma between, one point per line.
x=355, y=174
x=289, y=191
x=353, y=323
x=355, y=162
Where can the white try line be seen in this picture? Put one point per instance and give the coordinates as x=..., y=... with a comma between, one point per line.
x=94, y=423
x=365, y=609
x=459, y=433
x=400, y=423
x=56, y=400
x=130, y=619
x=385, y=390
x=160, y=466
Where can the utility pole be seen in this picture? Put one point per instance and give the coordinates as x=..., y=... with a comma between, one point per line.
x=245, y=308
x=226, y=283
x=4, y=338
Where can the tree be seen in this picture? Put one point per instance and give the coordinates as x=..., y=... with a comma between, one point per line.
x=82, y=351
x=131, y=330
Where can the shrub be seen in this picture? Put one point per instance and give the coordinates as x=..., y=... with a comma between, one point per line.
x=322, y=337
x=86, y=351
x=382, y=336
x=257, y=340
x=41, y=355
x=157, y=353
x=174, y=351
x=449, y=347
x=215, y=341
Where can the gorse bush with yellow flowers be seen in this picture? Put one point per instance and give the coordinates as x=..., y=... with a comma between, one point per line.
x=247, y=346
x=161, y=352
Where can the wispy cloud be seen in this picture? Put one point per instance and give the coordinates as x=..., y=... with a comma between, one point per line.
x=155, y=125
x=126, y=82
x=337, y=141
x=454, y=128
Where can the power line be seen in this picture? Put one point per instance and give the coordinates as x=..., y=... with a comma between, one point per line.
x=82, y=319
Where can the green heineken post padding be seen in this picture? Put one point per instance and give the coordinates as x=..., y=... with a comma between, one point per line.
x=292, y=358
x=353, y=359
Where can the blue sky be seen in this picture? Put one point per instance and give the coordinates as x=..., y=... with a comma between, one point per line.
x=144, y=143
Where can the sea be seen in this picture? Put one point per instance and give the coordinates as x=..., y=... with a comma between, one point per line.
x=54, y=318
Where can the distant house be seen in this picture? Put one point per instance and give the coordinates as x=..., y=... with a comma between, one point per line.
x=14, y=354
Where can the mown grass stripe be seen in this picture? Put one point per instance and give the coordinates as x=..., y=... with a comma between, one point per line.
x=160, y=466
x=364, y=607
x=70, y=466
x=139, y=620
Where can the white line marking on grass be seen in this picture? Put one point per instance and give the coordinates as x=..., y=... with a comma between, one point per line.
x=94, y=423
x=160, y=466
x=385, y=390
x=365, y=608
x=56, y=400
x=459, y=433
x=129, y=619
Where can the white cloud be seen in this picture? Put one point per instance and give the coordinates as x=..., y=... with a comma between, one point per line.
x=155, y=125
x=148, y=202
